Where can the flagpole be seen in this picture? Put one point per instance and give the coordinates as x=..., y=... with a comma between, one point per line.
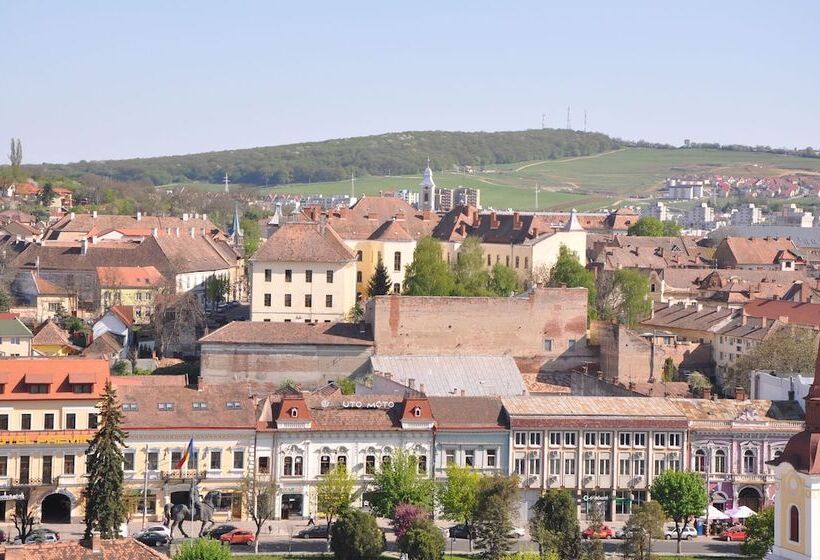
x=145, y=488
x=193, y=458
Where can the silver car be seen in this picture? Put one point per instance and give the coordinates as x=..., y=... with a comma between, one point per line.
x=688, y=532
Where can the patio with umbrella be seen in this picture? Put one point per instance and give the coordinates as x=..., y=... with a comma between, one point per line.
x=743, y=512
x=714, y=514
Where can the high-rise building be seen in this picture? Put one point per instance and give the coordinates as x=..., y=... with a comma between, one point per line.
x=467, y=196
x=657, y=210
x=747, y=215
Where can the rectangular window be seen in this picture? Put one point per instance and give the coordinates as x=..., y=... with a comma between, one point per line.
x=660, y=465
x=70, y=421
x=507, y=259
x=421, y=464
x=490, y=458
x=605, y=439
x=216, y=460
x=517, y=261
x=589, y=466
x=238, y=459
x=555, y=466
x=165, y=406
x=640, y=439
x=569, y=466
x=264, y=465
x=288, y=276
x=397, y=261
x=674, y=440
x=25, y=469
x=673, y=462
x=519, y=465
x=535, y=439
x=153, y=460
x=604, y=467
x=370, y=465
x=489, y=261
x=660, y=439
x=92, y=420
x=555, y=439
x=68, y=465
x=569, y=439
x=176, y=456
x=129, y=407
x=47, y=469
x=38, y=388
x=4, y=422
x=328, y=300
x=469, y=457
x=48, y=421
x=625, y=439
x=624, y=466
x=308, y=276
x=639, y=466
x=590, y=439
x=199, y=405
x=268, y=275
x=268, y=300
x=329, y=276
x=287, y=300
x=535, y=465
x=548, y=345
x=526, y=263
x=4, y=466
x=308, y=300
x=359, y=276
x=128, y=461
x=25, y=421
x=449, y=457
x=520, y=439
x=81, y=387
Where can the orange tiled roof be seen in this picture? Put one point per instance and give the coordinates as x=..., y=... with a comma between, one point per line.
x=51, y=371
x=129, y=276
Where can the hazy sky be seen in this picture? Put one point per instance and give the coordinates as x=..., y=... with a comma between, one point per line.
x=97, y=80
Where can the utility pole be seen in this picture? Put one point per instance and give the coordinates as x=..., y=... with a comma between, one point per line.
x=569, y=119
x=543, y=121
x=585, y=120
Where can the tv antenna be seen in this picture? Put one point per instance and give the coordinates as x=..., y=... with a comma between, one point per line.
x=227, y=182
x=543, y=121
x=569, y=119
x=585, y=120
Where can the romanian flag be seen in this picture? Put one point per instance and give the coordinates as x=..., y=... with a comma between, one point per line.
x=188, y=452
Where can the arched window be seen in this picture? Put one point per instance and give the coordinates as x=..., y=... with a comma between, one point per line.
x=341, y=461
x=287, y=466
x=297, y=465
x=748, y=461
x=794, y=524
x=417, y=412
x=324, y=464
x=720, y=461
x=294, y=412
x=700, y=460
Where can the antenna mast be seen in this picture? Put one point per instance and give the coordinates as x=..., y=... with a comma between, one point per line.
x=227, y=181
x=585, y=120
x=543, y=121
x=352, y=184
x=569, y=119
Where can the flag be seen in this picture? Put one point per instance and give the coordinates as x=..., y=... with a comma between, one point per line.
x=188, y=452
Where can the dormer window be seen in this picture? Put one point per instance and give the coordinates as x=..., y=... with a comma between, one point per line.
x=38, y=388
x=166, y=406
x=417, y=411
x=82, y=387
x=233, y=405
x=294, y=412
x=200, y=405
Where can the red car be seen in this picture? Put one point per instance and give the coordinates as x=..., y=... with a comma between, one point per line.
x=734, y=534
x=603, y=532
x=238, y=536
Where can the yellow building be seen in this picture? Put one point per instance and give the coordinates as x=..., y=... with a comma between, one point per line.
x=161, y=416
x=129, y=285
x=47, y=415
x=304, y=272
x=50, y=340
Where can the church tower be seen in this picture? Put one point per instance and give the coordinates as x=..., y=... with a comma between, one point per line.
x=235, y=231
x=427, y=190
x=797, y=503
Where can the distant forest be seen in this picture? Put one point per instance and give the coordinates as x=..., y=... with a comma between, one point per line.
x=401, y=153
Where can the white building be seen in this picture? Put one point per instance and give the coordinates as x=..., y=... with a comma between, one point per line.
x=792, y=215
x=701, y=217
x=684, y=189
x=657, y=210
x=746, y=215
x=428, y=197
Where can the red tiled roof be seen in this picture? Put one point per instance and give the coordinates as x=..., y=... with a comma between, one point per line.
x=129, y=277
x=799, y=313
x=54, y=372
x=119, y=549
x=753, y=250
x=124, y=313
x=46, y=288
x=50, y=334
x=304, y=242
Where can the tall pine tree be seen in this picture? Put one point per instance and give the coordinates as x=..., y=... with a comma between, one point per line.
x=379, y=284
x=105, y=507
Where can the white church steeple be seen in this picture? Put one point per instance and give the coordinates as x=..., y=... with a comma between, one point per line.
x=427, y=194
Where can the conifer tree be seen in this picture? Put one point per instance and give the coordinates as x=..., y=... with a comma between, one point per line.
x=105, y=507
x=379, y=284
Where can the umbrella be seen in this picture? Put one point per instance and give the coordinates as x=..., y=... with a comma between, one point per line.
x=714, y=514
x=741, y=513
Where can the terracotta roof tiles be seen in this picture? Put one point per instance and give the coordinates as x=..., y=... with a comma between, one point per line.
x=304, y=242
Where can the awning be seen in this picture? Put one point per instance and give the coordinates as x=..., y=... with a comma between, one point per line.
x=39, y=379
x=82, y=377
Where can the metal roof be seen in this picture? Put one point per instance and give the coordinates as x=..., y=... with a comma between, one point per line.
x=590, y=406
x=800, y=236
x=450, y=375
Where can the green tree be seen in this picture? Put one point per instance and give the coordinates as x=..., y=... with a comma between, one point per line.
x=790, y=349
x=471, y=278
x=202, y=549
x=334, y=493
x=16, y=158
x=698, y=381
x=682, y=495
x=428, y=275
x=104, y=507
x=503, y=280
x=633, y=296
x=569, y=271
x=379, y=284
x=423, y=541
x=645, y=523
x=46, y=195
x=458, y=496
x=399, y=482
x=497, y=499
x=356, y=536
x=216, y=287
x=554, y=525
x=251, y=235
x=760, y=535
x=649, y=226
x=670, y=371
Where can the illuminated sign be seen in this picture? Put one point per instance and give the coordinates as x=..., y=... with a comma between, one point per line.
x=24, y=438
x=374, y=404
x=12, y=497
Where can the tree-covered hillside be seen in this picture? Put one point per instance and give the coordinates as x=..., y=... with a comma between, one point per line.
x=399, y=153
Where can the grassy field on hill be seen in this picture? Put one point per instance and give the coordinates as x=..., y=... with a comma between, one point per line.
x=585, y=183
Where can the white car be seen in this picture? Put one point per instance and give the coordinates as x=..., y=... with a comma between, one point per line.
x=518, y=532
x=161, y=529
x=688, y=532
x=38, y=538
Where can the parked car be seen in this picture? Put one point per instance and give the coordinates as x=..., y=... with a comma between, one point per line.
x=152, y=539
x=238, y=536
x=603, y=532
x=622, y=532
x=462, y=531
x=518, y=532
x=160, y=529
x=319, y=531
x=734, y=534
x=220, y=530
x=688, y=532
x=37, y=538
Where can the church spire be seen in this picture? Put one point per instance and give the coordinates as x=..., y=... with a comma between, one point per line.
x=235, y=231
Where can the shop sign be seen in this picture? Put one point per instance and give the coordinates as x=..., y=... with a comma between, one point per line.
x=594, y=498
x=17, y=438
x=12, y=497
x=374, y=404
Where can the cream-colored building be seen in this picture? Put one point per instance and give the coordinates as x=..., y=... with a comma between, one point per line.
x=304, y=272
x=15, y=338
x=130, y=285
x=47, y=416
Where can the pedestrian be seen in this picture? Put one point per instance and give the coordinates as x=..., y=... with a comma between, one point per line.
x=311, y=521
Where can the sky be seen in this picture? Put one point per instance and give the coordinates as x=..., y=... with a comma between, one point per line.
x=85, y=80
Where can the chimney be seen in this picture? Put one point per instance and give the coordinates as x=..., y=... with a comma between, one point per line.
x=85, y=246
x=204, y=216
x=462, y=392
x=155, y=232
x=411, y=383
x=743, y=319
x=516, y=220
x=177, y=232
x=192, y=231
x=493, y=220
x=72, y=216
x=139, y=216
x=421, y=387
x=706, y=393
x=94, y=214
x=740, y=393
x=185, y=217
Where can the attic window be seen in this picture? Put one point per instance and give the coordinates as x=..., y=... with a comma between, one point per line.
x=416, y=411
x=233, y=405
x=200, y=405
x=294, y=412
x=165, y=406
x=82, y=387
x=38, y=388
x=129, y=407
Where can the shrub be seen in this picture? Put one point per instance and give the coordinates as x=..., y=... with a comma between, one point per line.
x=423, y=541
x=355, y=536
x=203, y=549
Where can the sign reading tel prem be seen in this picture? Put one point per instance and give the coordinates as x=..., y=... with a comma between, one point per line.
x=17, y=438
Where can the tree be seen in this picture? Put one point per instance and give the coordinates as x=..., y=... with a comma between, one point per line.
x=259, y=500
x=176, y=318
x=105, y=508
x=760, y=534
x=5, y=300
x=23, y=517
x=554, y=525
x=423, y=541
x=215, y=288
x=334, y=493
x=568, y=270
x=458, y=496
x=471, y=278
x=628, y=297
x=790, y=349
x=645, y=523
x=698, y=381
x=399, y=482
x=404, y=515
x=380, y=283
x=356, y=536
x=670, y=371
x=649, y=226
x=682, y=495
x=428, y=274
x=497, y=499
x=251, y=235
x=503, y=280
x=202, y=549
x=46, y=195
x=16, y=158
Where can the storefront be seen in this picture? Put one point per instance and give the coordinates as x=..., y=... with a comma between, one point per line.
x=597, y=502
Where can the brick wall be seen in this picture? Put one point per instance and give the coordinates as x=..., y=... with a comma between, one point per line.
x=518, y=326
